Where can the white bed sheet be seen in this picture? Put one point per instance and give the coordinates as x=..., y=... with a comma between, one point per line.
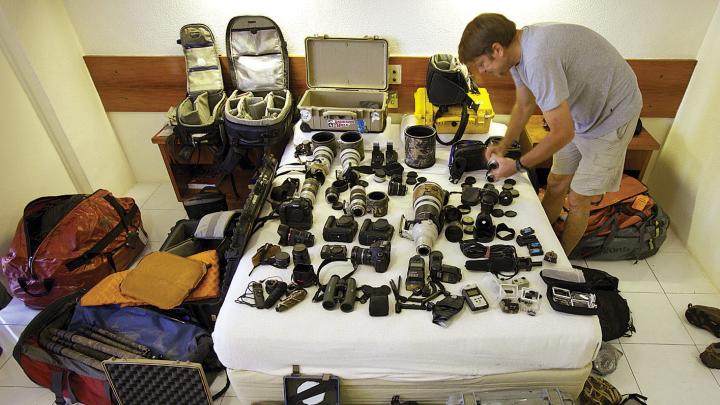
x=406, y=346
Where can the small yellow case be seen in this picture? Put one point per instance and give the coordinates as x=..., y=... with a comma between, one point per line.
x=478, y=122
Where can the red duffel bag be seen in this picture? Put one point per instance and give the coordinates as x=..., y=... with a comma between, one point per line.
x=64, y=243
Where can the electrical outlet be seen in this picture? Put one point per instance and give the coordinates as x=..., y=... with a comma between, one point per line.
x=395, y=74
x=392, y=99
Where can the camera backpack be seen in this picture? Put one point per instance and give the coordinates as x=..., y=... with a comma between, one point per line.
x=258, y=112
x=448, y=84
x=198, y=116
x=625, y=225
x=68, y=242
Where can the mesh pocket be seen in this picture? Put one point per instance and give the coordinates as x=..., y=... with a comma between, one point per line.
x=260, y=72
x=247, y=43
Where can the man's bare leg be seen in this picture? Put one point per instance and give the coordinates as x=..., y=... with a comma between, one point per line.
x=577, y=220
x=558, y=186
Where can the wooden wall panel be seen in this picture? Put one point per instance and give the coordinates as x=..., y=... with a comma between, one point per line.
x=154, y=83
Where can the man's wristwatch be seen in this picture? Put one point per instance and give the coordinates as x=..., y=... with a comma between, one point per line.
x=520, y=167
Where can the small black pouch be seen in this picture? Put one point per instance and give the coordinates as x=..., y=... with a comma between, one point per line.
x=207, y=201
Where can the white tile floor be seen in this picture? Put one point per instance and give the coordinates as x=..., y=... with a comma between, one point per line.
x=661, y=360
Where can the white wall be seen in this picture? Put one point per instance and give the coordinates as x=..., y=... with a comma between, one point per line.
x=685, y=180
x=50, y=44
x=639, y=29
x=29, y=164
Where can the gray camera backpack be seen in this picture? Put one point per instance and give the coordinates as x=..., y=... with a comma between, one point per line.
x=258, y=112
x=198, y=117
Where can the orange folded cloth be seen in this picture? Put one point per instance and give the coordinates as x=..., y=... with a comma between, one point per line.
x=107, y=291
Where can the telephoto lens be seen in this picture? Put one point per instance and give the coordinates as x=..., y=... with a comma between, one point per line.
x=332, y=193
x=323, y=155
x=317, y=171
x=324, y=138
x=309, y=189
x=291, y=236
x=357, y=205
x=351, y=149
x=377, y=203
x=429, y=198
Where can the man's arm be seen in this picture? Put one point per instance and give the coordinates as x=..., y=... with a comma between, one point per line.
x=521, y=112
x=561, y=133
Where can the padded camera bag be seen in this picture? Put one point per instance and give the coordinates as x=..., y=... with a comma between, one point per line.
x=258, y=112
x=207, y=201
x=448, y=84
x=198, y=117
x=65, y=243
x=612, y=309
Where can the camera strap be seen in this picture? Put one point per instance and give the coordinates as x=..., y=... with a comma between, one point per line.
x=321, y=287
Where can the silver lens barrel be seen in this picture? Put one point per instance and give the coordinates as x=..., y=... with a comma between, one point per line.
x=309, y=189
x=358, y=201
x=352, y=140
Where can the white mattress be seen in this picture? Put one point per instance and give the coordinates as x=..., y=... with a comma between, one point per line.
x=406, y=346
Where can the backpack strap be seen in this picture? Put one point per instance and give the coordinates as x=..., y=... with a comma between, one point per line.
x=96, y=250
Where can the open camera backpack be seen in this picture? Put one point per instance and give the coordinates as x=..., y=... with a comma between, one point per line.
x=199, y=116
x=625, y=225
x=258, y=112
x=448, y=84
x=64, y=243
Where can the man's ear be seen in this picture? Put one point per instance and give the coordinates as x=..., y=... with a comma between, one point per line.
x=498, y=49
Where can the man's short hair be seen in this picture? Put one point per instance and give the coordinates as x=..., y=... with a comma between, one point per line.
x=482, y=32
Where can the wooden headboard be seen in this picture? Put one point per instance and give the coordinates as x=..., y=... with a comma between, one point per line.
x=154, y=83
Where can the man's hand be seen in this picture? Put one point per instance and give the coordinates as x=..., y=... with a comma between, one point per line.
x=506, y=167
x=494, y=150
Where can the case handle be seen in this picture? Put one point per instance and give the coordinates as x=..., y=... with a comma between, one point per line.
x=339, y=113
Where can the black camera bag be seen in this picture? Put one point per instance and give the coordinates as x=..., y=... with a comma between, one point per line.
x=612, y=309
x=447, y=85
x=208, y=200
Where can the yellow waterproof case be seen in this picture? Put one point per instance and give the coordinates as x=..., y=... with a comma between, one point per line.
x=478, y=122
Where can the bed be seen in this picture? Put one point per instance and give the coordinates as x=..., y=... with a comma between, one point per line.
x=405, y=354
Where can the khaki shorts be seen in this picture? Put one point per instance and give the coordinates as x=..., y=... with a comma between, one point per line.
x=596, y=164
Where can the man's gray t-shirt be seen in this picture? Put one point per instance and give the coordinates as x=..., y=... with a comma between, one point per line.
x=570, y=62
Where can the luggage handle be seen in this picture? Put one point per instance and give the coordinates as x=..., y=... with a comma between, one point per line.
x=48, y=284
x=339, y=113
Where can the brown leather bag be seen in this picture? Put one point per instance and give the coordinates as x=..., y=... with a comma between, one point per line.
x=64, y=243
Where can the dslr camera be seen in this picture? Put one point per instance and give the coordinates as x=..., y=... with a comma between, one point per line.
x=342, y=229
x=370, y=231
x=296, y=213
x=377, y=256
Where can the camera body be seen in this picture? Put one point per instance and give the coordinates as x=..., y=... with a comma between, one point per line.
x=370, y=231
x=296, y=213
x=334, y=252
x=342, y=229
x=377, y=256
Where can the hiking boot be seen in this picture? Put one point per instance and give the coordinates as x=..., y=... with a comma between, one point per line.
x=704, y=317
x=711, y=356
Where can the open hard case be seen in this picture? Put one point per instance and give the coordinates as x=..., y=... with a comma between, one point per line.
x=347, y=80
x=259, y=110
